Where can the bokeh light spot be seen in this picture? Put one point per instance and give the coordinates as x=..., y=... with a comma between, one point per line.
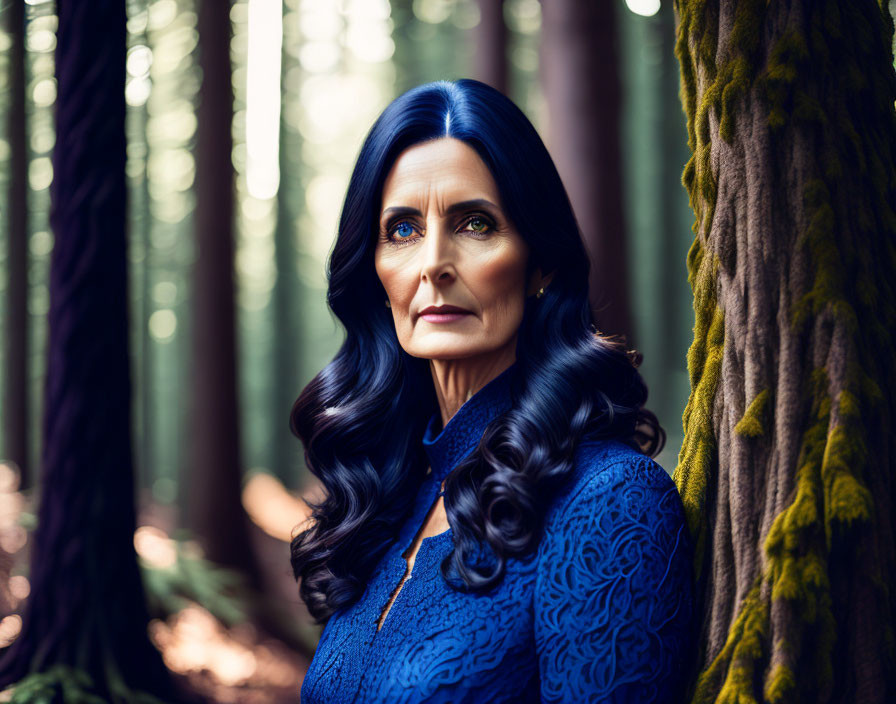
x=162, y=325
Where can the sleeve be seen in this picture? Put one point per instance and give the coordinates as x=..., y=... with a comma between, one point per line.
x=614, y=589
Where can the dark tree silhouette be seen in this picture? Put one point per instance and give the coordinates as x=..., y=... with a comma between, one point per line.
x=788, y=467
x=580, y=80
x=16, y=409
x=86, y=615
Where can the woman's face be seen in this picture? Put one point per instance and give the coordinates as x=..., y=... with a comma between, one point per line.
x=444, y=240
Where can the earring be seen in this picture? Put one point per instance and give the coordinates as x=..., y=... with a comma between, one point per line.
x=540, y=292
x=388, y=303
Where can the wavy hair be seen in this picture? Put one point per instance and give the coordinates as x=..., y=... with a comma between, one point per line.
x=362, y=417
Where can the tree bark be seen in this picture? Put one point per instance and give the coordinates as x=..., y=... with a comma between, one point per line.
x=787, y=467
x=490, y=45
x=86, y=609
x=16, y=435
x=580, y=79
x=214, y=475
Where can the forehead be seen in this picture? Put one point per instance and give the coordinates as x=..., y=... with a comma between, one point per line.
x=444, y=168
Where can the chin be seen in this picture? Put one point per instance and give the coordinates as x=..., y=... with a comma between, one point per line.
x=451, y=346
x=446, y=353
x=447, y=348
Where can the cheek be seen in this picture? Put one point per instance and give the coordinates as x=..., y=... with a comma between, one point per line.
x=395, y=280
x=501, y=283
x=399, y=283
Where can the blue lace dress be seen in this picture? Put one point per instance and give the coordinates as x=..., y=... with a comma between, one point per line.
x=600, y=613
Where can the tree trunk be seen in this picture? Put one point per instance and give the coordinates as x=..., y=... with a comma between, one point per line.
x=490, y=45
x=580, y=79
x=214, y=475
x=787, y=468
x=16, y=408
x=86, y=609
x=285, y=383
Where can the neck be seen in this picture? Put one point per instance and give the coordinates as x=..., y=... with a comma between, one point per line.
x=456, y=380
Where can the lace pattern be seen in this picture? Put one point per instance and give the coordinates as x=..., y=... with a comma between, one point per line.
x=613, y=595
x=601, y=612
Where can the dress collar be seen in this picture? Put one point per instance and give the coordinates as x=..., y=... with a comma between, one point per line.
x=465, y=428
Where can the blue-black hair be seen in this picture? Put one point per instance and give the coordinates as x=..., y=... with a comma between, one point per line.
x=362, y=417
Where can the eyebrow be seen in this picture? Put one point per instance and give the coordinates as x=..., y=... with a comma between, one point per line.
x=453, y=208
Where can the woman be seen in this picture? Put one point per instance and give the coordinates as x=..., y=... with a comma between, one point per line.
x=494, y=528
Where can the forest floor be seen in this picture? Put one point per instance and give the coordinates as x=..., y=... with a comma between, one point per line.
x=257, y=661
x=220, y=643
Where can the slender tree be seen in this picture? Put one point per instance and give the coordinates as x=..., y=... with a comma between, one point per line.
x=84, y=624
x=788, y=464
x=490, y=45
x=139, y=226
x=17, y=412
x=580, y=80
x=214, y=475
x=288, y=291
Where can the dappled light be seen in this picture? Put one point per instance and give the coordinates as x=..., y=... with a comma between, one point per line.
x=14, y=519
x=10, y=626
x=154, y=546
x=228, y=665
x=272, y=508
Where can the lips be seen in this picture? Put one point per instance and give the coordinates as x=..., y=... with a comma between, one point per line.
x=443, y=309
x=444, y=314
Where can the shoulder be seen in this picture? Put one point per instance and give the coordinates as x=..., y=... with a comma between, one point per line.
x=618, y=501
x=608, y=472
x=614, y=576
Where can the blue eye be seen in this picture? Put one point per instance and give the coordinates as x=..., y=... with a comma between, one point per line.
x=404, y=230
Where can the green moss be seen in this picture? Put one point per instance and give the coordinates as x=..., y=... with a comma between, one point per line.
x=847, y=499
x=787, y=60
x=828, y=282
x=848, y=198
x=752, y=423
x=694, y=259
x=698, y=23
x=698, y=453
x=848, y=405
x=870, y=389
x=780, y=684
x=804, y=511
x=731, y=672
x=799, y=542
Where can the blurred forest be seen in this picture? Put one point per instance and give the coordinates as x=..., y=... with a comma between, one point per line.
x=306, y=79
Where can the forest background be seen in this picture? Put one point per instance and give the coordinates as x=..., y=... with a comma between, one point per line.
x=600, y=81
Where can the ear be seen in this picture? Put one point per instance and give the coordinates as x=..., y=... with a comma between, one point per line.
x=537, y=281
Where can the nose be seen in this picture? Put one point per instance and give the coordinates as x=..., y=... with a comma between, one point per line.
x=438, y=265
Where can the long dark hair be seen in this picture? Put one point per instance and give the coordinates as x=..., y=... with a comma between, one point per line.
x=362, y=417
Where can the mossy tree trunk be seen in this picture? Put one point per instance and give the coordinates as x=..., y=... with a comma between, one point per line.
x=85, y=620
x=788, y=465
